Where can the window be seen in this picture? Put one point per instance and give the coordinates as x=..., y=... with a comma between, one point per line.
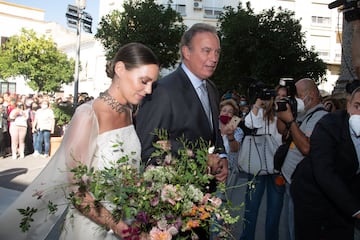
x=212, y=12
x=7, y=87
x=3, y=40
x=323, y=21
x=180, y=8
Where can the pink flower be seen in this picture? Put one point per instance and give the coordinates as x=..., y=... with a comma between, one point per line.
x=215, y=201
x=168, y=194
x=189, y=153
x=154, y=202
x=167, y=160
x=157, y=234
x=206, y=198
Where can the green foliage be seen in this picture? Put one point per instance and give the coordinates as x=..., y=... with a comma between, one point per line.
x=264, y=46
x=169, y=198
x=27, y=214
x=63, y=113
x=37, y=59
x=146, y=22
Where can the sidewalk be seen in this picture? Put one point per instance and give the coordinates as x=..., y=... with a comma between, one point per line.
x=16, y=175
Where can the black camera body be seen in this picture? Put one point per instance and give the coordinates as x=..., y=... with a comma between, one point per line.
x=290, y=99
x=351, y=8
x=259, y=90
x=266, y=93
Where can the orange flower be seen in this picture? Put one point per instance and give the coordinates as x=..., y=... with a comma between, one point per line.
x=192, y=224
x=204, y=216
x=193, y=211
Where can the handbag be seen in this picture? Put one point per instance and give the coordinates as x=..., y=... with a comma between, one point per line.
x=280, y=154
x=257, y=154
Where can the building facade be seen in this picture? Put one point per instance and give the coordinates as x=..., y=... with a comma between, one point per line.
x=322, y=28
x=92, y=78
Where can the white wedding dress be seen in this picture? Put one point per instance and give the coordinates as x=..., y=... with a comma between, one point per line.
x=82, y=142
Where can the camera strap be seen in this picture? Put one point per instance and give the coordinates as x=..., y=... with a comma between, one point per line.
x=309, y=115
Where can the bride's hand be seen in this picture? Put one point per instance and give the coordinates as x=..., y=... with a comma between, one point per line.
x=121, y=229
x=144, y=236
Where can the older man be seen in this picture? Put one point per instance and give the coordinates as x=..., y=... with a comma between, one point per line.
x=310, y=110
x=186, y=102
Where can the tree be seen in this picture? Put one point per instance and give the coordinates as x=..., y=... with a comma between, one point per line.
x=37, y=59
x=264, y=46
x=146, y=22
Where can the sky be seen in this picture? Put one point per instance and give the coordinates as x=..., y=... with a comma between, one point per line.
x=55, y=10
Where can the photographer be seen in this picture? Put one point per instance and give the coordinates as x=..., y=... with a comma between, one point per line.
x=262, y=121
x=308, y=110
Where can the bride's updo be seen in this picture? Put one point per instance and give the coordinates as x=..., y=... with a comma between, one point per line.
x=133, y=55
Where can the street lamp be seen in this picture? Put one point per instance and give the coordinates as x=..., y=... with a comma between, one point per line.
x=77, y=17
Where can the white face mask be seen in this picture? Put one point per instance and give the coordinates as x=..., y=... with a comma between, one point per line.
x=354, y=122
x=44, y=106
x=300, y=105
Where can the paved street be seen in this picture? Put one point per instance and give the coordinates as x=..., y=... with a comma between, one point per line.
x=15, y=175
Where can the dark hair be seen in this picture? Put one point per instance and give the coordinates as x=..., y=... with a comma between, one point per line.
x=133, y=55
x=196, y=28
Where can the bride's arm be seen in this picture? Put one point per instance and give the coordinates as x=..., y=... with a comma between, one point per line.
x=101, y=215
x=80, y=146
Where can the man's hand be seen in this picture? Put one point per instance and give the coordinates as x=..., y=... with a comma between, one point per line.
x=223, y=166
x=218, y=166
x=285, y=116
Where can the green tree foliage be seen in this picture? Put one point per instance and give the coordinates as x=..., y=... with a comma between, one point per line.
x=37, y=59
x=264, y=46
x=146, y=22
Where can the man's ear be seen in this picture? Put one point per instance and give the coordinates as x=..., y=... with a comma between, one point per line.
x=185, y=52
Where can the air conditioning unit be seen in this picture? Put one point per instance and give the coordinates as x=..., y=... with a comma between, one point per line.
x=198, y=5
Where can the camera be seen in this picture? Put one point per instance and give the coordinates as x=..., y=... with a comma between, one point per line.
x=259, y=90
x=289, y=84
x=351, y=8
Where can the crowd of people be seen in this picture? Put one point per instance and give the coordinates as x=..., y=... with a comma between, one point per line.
x=320, y=173
x=27, y=122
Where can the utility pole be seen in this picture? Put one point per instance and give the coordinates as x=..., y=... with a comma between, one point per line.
x=77, y=18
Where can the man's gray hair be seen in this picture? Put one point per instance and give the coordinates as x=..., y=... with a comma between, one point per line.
x=191, y=32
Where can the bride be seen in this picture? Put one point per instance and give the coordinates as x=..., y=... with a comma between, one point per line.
x=92, y=132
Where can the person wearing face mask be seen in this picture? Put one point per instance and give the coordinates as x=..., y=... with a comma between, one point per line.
x=309, y=111
x=231, y=133
x=43, y=125
x=232, y=136
x=325, y=186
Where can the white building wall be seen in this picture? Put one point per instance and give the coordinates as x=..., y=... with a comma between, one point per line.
x=92, y=77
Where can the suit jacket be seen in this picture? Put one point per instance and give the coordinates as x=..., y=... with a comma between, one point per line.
x=175, y=106
x=326, y=180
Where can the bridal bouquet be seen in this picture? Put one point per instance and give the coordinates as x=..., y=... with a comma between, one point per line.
x=169, y=200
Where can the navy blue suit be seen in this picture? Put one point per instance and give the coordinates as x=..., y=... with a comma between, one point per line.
x=175, y=106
